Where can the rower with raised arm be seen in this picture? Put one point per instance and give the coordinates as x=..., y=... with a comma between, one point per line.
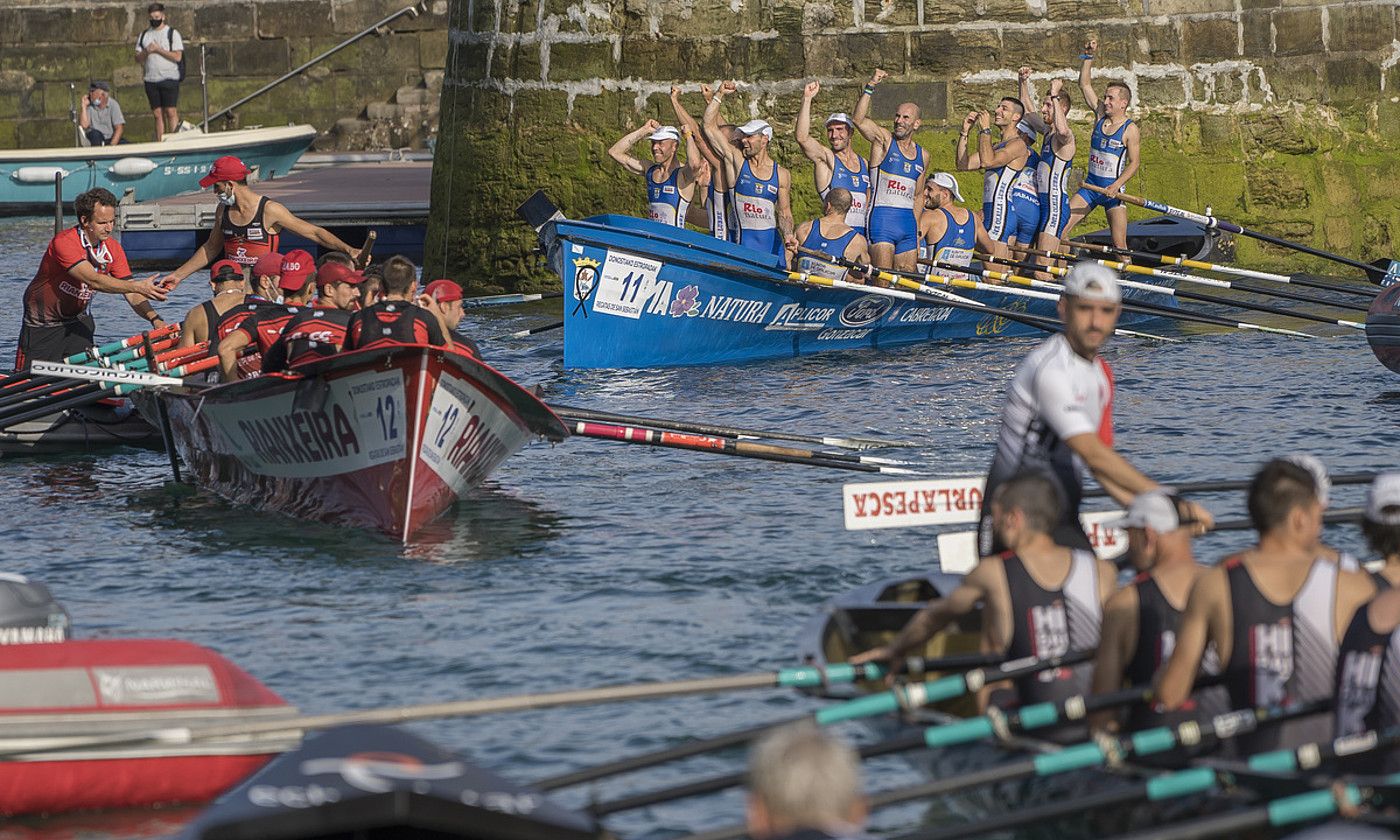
x=670, y=183
x=1058, y=414
x=897, y=181
x=1114, y=152
x=710, y=209
x=247, y=225
x=760, y=189
x=1275, y=612
x=1038, y=598
x=830, y=235
x=1004, y=163
x=1054, y=161
x=948, y=231
x=839, y=166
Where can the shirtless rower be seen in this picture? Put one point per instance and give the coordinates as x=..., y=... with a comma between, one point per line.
x=317, y=331
x=263, y=321
x=229, y=283
x=1140, y=621
x=1038, y=598
x=896, y=182
x=247, y=225
x=79, y=262
x=836, y=167
x=1054, y=161
x=830, y=235
x=1275, y=612
x=1058, y=414
x=947, y=230
x=1005, y=164
x=1113, y=152
x=670, y=183
x=710, y=210
x=760, y=189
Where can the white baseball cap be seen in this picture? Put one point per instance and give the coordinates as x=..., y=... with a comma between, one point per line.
x=1155, y=509
x=1384, y=493
x=1025, y=128
x=757, y=127
x=841, y=117
x=948, y=182
x=1091, y=281
x=665, y=132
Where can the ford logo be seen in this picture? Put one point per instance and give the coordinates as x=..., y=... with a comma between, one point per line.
x=864, y=310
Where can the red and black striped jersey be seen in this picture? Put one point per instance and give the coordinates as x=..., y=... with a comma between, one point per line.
x=391, y=322
x=313, y=333
x=264, y=324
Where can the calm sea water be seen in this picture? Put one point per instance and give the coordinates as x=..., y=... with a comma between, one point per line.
x=592, y=563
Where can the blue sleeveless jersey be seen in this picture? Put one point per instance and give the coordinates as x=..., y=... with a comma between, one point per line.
x=896, y=179
x=815, y=241
x=664, y=201
x=858, y=183
x=1106, y=154
x=1052, y=184
x=954, y=246
x=756, y=211
x=997, y=186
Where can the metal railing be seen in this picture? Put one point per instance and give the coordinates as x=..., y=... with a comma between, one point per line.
x=411, y=11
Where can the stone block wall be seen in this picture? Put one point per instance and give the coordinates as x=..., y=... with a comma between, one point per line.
x=1281, y=114
x=45, y=45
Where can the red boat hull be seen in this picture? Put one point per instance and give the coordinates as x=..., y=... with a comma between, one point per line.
x=73, y=689
x=386, y=439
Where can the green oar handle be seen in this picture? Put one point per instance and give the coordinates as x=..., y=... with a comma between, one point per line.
x=1311, y=755
x=813, y=676
x=1313, y=805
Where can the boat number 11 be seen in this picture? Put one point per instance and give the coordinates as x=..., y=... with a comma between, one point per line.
x=388, y=420
x=633, y=282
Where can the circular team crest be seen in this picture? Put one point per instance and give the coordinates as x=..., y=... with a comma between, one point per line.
x=865, y=309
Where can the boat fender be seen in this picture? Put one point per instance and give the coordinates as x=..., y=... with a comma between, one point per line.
x=132, y=167
x=38, y=174
x=29, y=613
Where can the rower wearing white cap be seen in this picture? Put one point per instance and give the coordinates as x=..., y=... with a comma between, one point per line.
x=838, y=166
x=1141, y=619
x=950, y=231
x=1058, y=414
x=901, y=167
x=1005, y=164
x=670, y=184
x=760, y=189
x=830, y=235
x=1381, y=526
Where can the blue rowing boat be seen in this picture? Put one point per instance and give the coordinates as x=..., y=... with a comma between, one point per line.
x=641, y=294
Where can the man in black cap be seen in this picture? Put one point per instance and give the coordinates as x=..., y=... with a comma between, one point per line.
x=101, y=117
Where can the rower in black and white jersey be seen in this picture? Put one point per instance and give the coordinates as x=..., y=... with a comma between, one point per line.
x=1038, y=598
x=1274, y=612
x=1141, y=620
x=1381, y=526
x=1058, y=414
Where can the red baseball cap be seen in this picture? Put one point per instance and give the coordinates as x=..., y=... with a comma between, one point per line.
x=226, y=168
x=334, y=272
x=297, y=267
x=219, y=272
x=268, y=265
x=444, y=291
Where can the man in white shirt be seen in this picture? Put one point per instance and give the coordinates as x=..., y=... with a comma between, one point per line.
x=160, y=49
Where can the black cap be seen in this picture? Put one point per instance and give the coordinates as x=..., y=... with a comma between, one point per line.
x=100, y=85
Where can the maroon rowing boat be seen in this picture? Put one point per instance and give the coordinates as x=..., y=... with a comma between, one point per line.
x=386, y=438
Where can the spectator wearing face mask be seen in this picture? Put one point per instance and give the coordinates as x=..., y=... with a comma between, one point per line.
x=101, y=117
x=160, y=50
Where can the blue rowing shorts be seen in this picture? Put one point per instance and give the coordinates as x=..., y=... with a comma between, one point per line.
x=1099, y=199
x=894, y=225
x=1024, y=222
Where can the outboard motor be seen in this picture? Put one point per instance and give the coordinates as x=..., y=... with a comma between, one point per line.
x=29, y=613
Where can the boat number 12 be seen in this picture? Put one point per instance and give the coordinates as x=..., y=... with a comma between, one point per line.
x=384, y=410
x=449, y=419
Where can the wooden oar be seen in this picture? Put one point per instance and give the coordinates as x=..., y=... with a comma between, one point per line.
x=799, y=677
x=1142, y=307
x=1178, y=276
x=1218, y=269
x=846, y=442
x=501, y=300
x=532, y=331
x=1376, y=272
x=725, y=446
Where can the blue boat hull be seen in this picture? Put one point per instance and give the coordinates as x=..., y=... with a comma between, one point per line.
x=640, y=294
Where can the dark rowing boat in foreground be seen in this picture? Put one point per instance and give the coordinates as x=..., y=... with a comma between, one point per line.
x=379, y=782
x=386, y=438
x=80, y=429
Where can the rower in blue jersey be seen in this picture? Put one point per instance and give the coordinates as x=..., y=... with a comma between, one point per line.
x=949, y=232
x=897, y=180
x=1056, y=156
x=1113, y=152
x=830, y=235
x=760, y=189
x=838, y=166
x=670, y=183
x=714, y=215
x=1002, y=163
x=1025, y=200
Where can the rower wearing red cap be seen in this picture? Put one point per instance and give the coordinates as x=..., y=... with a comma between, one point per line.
x=397, y=318
x=264, y=321
x=318, y=331
x=229, y=282
x=247, y=225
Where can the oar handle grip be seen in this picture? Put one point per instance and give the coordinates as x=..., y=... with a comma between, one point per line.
x=1182, y=783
